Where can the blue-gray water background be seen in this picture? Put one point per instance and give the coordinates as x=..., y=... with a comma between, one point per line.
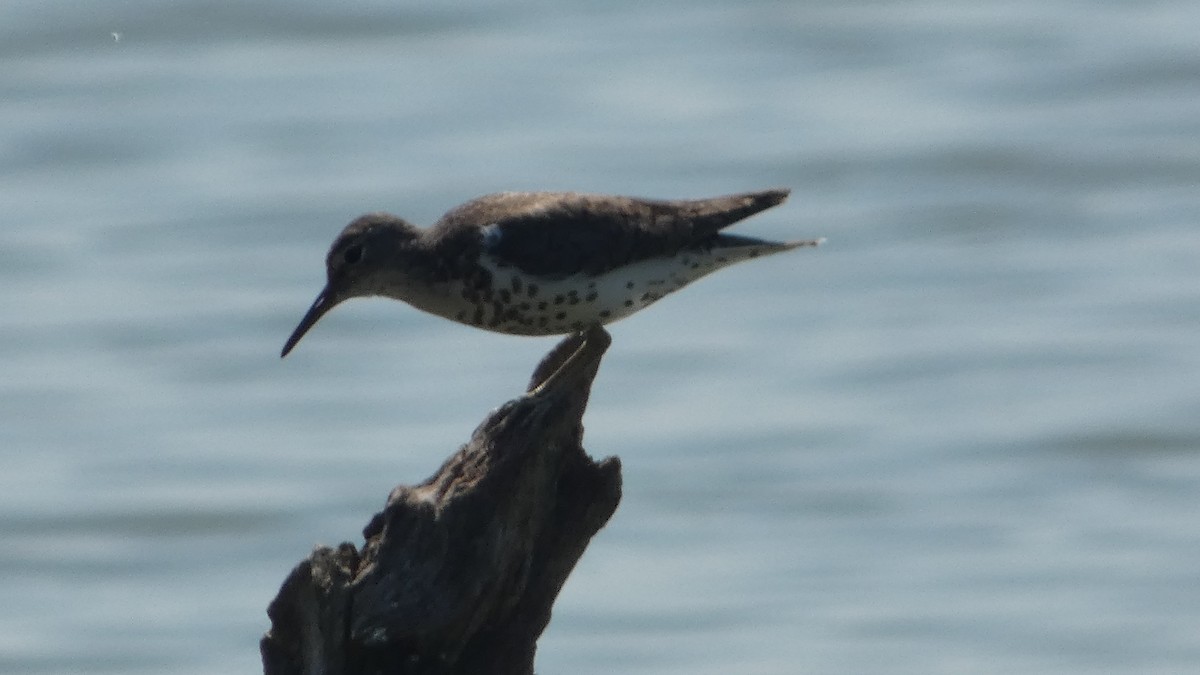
x=962, y=437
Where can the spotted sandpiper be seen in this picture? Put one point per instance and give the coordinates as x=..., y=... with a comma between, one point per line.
x=541, y=263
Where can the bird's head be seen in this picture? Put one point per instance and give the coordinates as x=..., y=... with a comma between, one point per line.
x=364, y=260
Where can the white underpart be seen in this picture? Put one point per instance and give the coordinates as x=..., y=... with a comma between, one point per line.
x=583, y=300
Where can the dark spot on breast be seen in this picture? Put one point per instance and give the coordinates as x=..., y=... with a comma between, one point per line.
x=629, y=285
x=516, y=284
x=542, y=321
x=591, y=297
x=604, y=314
x=754, y=253
x=525, y=306
x=558, y=299
x=629, y=303
x=543, y=305
x=505, y=295
x=532, y=290
x=695, y=266
x=722, y=259
x=573, y=300
x=560, y=316
x=477, y=318
x=577, y=325
x=462, y=314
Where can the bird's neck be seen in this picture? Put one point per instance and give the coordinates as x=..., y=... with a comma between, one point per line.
x=417, y=274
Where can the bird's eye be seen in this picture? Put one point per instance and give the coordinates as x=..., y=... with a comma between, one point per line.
x=353, y=254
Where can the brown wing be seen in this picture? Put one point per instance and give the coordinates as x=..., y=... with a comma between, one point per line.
x=561, y=234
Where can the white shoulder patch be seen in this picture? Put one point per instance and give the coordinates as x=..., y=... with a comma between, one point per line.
x=490, y=235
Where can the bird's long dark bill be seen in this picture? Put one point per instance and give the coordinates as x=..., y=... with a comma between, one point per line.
x=324, y=302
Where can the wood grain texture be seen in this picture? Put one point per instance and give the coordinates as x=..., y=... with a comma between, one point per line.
x=459, y=574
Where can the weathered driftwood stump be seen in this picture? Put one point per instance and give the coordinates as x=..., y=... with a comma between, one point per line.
x=458, y=574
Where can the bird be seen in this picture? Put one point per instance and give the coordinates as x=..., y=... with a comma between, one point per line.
x=541, y=263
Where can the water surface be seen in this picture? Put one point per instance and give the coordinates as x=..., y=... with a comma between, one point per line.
x=960, y=438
